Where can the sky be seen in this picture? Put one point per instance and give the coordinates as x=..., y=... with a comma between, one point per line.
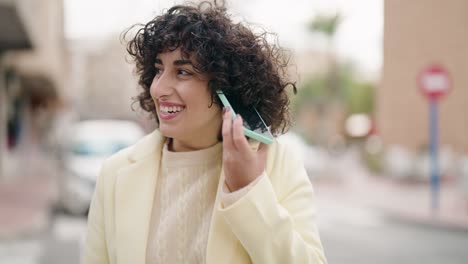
x=358, y=39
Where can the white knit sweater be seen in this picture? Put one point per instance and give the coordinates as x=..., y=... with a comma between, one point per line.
x=183, y=204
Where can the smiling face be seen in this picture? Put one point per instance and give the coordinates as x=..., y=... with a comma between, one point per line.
x=183, y=103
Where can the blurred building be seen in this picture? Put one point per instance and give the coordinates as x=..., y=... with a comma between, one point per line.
x=416, y=34
x=13, y=36
x=101, y=81
x=32, y=73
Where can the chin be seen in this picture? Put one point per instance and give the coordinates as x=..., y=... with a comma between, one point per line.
x=167, y=132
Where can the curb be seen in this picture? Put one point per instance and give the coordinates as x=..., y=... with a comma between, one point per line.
x=426, y=222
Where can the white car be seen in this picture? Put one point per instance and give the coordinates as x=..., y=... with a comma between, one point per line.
x=90, y=143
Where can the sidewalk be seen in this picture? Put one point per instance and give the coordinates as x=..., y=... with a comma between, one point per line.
x=28, y=189
x=403, y=201
x=25, y=205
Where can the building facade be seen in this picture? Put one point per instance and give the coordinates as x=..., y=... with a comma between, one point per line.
x=417, y=34
x=32, y=71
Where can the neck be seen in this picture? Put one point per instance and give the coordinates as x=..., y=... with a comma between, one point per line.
x=185, y=146
x=202, y=139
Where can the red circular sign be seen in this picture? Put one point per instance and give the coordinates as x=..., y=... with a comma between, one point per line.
x=434, y=82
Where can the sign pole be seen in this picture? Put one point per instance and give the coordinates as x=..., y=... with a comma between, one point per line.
x=435, y=175
x=434, y=82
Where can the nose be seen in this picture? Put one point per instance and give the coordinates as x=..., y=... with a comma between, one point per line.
x=161, y=86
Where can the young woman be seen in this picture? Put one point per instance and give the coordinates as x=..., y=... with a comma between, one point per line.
x=196, y=190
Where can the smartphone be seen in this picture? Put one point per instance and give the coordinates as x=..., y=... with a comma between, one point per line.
x=254, y=127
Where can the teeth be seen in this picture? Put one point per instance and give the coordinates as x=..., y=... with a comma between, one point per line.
x=171, y=109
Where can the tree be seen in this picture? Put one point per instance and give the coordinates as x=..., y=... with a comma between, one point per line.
x=327, y=25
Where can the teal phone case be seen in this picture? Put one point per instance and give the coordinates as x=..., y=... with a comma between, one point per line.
x=249, y=133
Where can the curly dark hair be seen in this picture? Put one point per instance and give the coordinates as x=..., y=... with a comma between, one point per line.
x=239, y=62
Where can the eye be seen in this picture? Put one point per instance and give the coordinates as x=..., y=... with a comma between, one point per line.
x=184, y=72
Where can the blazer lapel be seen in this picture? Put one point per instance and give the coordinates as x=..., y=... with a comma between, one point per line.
x=134, y=194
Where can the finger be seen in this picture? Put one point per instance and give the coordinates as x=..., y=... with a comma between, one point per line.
x=227, y=130
x=240, y=142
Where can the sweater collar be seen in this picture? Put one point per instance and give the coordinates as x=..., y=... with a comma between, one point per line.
x=191, y=158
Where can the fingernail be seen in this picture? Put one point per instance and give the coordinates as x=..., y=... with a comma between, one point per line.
x=226, y=111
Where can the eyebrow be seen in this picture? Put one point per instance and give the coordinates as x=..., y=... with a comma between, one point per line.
x=176, y=62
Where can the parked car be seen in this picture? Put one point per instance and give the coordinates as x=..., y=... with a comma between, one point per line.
x=90, y=143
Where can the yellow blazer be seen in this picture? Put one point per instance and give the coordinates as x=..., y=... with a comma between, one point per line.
x=273, y=223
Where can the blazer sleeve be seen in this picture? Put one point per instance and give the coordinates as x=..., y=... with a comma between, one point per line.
x=278, y=225
x=95, y=250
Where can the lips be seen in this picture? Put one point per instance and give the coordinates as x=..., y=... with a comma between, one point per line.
x=169, y=110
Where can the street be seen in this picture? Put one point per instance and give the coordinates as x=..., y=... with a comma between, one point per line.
x=59, y=244
x=349, y=235
x=357, y=235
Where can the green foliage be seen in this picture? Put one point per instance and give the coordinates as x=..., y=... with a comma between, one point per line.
x=325, y=24
x=311, y=92
x=374, y=162
x=356, y=95
x=360, y=97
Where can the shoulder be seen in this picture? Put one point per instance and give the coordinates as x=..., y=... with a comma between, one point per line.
x=145, y=146
x=285, y=166
x=119, y=159
x=285, y=151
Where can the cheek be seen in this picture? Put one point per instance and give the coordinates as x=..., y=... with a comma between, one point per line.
x=208, y=106
x=213, y=111
x=202, y=109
